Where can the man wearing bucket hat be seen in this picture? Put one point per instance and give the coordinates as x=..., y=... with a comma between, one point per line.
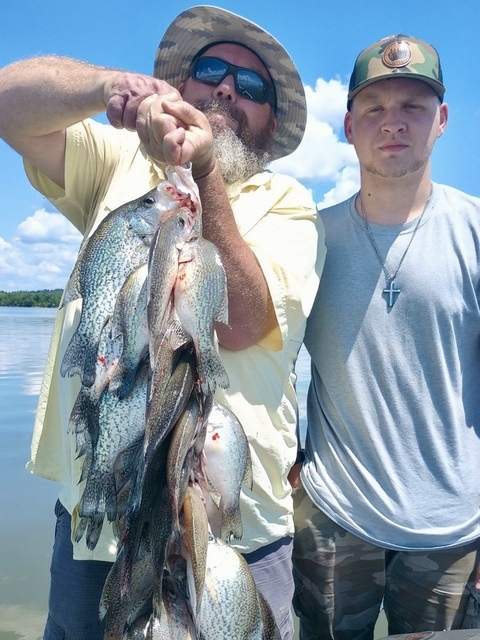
x=389, y=509
x=226, y=97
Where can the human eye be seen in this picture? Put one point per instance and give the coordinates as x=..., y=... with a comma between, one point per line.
x=373, y=109
x=412, y=106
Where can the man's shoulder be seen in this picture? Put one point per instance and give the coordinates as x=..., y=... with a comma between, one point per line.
x=335, y=209
x=453, y=193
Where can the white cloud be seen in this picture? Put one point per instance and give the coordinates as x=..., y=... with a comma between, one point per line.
x=47, y=227
x=41, y=256
x=324, y=156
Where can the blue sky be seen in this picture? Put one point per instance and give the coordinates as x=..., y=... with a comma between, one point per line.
x=37, y=246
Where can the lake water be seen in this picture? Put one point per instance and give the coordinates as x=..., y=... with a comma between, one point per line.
x=26, y=501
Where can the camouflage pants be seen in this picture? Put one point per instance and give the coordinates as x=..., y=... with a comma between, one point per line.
x=341, y=582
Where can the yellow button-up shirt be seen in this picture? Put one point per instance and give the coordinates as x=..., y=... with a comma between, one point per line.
x=104, y=169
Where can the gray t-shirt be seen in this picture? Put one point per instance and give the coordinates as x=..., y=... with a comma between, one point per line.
x=393, y=438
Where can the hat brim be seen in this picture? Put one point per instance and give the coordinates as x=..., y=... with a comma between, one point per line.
x=436, y=86
x=198, y=27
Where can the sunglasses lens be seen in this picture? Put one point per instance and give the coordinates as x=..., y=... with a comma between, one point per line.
x=209, y=70
x=251, y=85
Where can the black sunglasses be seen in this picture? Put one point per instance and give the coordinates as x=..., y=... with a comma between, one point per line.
x=248, y=83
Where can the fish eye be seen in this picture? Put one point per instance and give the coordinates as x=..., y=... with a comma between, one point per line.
x=148, y=201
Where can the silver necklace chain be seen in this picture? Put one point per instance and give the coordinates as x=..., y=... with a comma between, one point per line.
x=390, y=288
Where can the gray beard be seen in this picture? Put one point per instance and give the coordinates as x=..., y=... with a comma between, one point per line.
x=236, y=161
x=239, y=155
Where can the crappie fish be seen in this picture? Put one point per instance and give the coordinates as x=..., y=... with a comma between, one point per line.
x=83, y=421
x=162, y=273
x=200, y=300
x=118, y=611
x=129, y=324
x=118, y=245
x=228, y=582
x=121, y=423
x=175, y=621
x=194, y=544
x=181, y=453
x=227, y=465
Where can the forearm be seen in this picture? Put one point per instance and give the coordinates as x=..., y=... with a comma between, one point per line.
x=248, y=297
x=44, y=95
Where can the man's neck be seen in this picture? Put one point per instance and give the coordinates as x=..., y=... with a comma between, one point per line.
x=392, y=200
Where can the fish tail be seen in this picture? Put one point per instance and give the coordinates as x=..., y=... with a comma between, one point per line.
x=94, y=530
x=80, y=359
x=80, y=529
x=212, y=372
x=231, y=524
x=99, y=496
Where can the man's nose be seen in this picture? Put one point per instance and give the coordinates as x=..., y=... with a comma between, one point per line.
x=226, y=89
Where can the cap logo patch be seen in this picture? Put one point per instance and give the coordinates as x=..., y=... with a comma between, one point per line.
x=397, y=54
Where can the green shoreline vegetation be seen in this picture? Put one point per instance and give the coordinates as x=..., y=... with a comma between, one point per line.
x=45, y=298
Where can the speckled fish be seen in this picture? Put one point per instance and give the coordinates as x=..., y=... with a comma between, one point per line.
x=118, y=611
x=121, y=423
x=232, y=607
x=118, y=245
x=227, y=465
x=129, y=323
x=200, y=301
x=182, y=454
x=175, y=621
x=150, y=477
x=83, y=420
x=194, y=544
x=162, y=273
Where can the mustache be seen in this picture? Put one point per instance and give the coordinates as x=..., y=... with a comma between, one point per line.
x=211, y=105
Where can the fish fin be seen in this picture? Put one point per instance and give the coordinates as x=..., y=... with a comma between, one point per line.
x=222, y=314
x=94, y=529
x=99, y=495
x=126, y=460
x=211, y=371
x=231, y=524
x=71, y=291
x=80, y=359
x=212, y=490
x=80, y=529
x=248, y=475
x=122, y=380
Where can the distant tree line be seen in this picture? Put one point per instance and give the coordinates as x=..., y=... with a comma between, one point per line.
x=44, y=298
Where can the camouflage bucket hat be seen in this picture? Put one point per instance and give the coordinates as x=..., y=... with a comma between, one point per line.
x=399, y=56
x=199, y=27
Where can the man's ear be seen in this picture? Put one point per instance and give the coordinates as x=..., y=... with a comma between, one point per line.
x=347, y=126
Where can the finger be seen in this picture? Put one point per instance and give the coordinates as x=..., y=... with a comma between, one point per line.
x=142, y=122
x=173, y=147
x=185, y=112
x=115, y=109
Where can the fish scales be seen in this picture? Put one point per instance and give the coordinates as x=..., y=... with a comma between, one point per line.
x=117, y=246
x=201, y=300
x=227, y=465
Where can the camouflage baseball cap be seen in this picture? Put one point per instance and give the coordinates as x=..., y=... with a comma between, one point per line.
x=400, y=56
x=201, y=26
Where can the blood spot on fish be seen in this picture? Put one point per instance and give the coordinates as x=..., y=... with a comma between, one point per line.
x=102, y=360
x=215, y=436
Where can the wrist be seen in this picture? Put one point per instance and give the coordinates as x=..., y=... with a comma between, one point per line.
x=203, y=170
